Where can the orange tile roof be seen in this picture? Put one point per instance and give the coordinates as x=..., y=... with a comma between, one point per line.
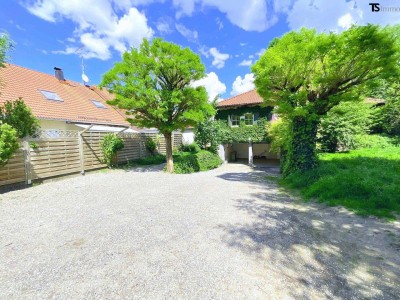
x=247, y=98
x=18, y=82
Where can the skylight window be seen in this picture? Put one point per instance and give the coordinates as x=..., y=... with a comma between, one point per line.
x=51, y=96
x=99, y=104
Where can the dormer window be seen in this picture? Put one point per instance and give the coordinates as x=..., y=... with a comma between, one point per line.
x=51, y=96
x=99, y=104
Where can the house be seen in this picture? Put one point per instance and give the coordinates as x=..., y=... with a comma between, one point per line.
x=245, y=108
x=61, y=104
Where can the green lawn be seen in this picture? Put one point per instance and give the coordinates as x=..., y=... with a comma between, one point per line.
x=366, y=181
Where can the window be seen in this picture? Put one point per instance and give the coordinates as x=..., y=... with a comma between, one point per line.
x=99, y=104
x=51, y=96
x=235, y=120
x=248, y=119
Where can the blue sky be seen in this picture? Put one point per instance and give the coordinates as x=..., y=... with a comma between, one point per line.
x=228, y=34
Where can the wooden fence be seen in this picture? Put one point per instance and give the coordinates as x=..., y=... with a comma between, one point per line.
x=58, y=153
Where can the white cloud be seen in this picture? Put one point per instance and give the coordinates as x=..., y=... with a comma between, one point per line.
x=242, y=85
x=163, y=26
x=190, y=35
x=250, y=15
x=98, y=27
x=246, y=63
x=219, y=58
x=346, y=21
x=212, y=84
x=336, y=15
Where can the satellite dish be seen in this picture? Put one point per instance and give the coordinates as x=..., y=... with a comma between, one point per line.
x=85, y=78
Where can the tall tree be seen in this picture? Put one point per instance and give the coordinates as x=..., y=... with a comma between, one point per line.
x=306, y=73
x=154, y=84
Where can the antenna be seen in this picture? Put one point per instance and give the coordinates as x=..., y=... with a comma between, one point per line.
x=85, y=79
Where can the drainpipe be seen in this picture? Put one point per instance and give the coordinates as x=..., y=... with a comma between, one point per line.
x=250, y=153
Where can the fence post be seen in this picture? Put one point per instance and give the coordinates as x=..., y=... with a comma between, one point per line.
x=27, y=160
x=81, y=154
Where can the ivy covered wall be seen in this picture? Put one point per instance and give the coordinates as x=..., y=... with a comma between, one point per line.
x=257, y=111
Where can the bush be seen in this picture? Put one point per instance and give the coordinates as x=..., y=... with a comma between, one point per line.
x=193, y=148
x=8, y=143
x=338, y=128
x=194, y=162
x=110, y=145
x=388, y=117
x=151, y=145
x=20, y=117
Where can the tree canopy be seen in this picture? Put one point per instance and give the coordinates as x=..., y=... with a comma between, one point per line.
x=305, y=74
x=153, y=83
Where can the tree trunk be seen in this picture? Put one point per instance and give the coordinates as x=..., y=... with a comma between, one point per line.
x=302, y=155
x=168, y=145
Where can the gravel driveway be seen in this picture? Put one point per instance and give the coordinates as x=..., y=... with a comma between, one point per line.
x=223, y=234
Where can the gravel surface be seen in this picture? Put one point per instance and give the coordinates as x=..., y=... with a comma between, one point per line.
x=223, y=234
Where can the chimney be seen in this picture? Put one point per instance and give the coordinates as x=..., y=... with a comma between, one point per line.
x=59, y=73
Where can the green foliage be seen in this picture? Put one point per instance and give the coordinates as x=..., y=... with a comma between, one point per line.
x=388, y=117
x=374, y=141
x=5, y=46
x=256, y=133
x=20, y=117
x=151, y=145
x=342, y=123
x=193, y=148
x=278, y=133
x=210, y=134
x=365, y=181
x=187, y=162
x=153, y=82
x=8, y=143
x=257, y=111
x=109, y=146
x=305, y=74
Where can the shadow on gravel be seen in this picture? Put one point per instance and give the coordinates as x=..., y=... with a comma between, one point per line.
x=314, y=249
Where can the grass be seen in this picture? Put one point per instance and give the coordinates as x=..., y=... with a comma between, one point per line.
x=366, y=181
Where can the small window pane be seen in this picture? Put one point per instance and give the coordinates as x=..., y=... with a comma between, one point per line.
x=51, y=96
x=98, y=104
x=235, y=120
x=249, y=119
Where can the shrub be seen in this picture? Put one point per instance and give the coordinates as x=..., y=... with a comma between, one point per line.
x=194, y=162
x=151, y=145
x=8, y=143
x=110, y=145
x=338, y=128
x=388, y=117
x=193, y=148
x=19, y=116
x=208, y=160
